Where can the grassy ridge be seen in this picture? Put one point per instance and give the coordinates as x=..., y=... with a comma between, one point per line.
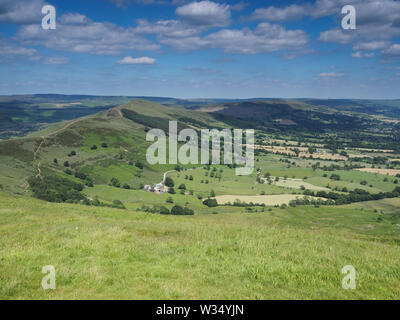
x=107, y=253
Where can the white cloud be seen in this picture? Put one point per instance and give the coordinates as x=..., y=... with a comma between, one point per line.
x=205, y=13
x=21, y=11
x=292, y=12
x=170, y=28
x=78, y=33
x=393, y=51
x=10, y=48
x=141, y=60
x=337, y=36
x=263, y=39
x=359, y=54
x=371, y=45
x=330, y=75
x=55, y=60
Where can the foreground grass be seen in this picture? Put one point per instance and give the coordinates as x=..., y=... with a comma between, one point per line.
x=106, y=253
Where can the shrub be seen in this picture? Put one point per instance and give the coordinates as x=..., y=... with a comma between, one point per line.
x=118, y=204
x=170, y=200
x=139, y=165
x=335, y=177
x=115, y=183
x=66, y=164
x=169, y=182
x=104, y=145
x=164, y=210
x=211, y=203
x=93, y=147
x=171, y=190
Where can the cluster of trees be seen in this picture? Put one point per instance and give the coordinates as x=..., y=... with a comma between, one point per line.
x=53, y=188
x=238, y=203
x=56, y=189
x=176, y=210
x=114, y=182
x=357, y=195
x=83, y=176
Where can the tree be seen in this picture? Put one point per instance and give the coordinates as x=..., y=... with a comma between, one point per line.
x=127, y=186
x=169, y=182
x=94, y=147
x=104, y=145
x=72, y=153
x=182, y=187
x=212, y=194
x=118, y=204
x=170, y=200
x=171, y=190
x=55, y=161
x=164, y=210
x=66, y=164
x=335, y=177
x=115, y=182
x=139, y=165
x=210, y=203
x=177, y=210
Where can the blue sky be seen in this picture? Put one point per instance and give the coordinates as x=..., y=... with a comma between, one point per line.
x=201, y=49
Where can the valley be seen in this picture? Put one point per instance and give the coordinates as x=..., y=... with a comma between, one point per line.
x=324, y=193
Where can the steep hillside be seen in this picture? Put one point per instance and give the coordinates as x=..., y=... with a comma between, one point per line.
x=103, y=146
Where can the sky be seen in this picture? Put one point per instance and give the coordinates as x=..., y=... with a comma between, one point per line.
x=202, y=49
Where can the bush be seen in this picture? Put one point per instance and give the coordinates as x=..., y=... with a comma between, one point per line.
x=169, y=182
x=56, y=189
x=164, y=210
x=93, y=147
x=118, y=204
x=182, y=187
x=179, y=211
x=127, y=186
x=139, y=165
x=115, y=183
x=104, y=145
x=66, y=164
x=211, y=203
x=171, y=190
x=335, y=177
x=170, y=200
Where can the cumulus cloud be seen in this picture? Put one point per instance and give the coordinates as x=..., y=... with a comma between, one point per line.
x=264, y=38
x=205, y=13
x=360, y=55
x=337, y=36
x=371, y=45
x=393, y=51
x=55, y=60
x=21, y=11
x=141, y=60
x=330, y=75
x=170, y=28
x=292, y=12
x=77, y=33
x=10, y=48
